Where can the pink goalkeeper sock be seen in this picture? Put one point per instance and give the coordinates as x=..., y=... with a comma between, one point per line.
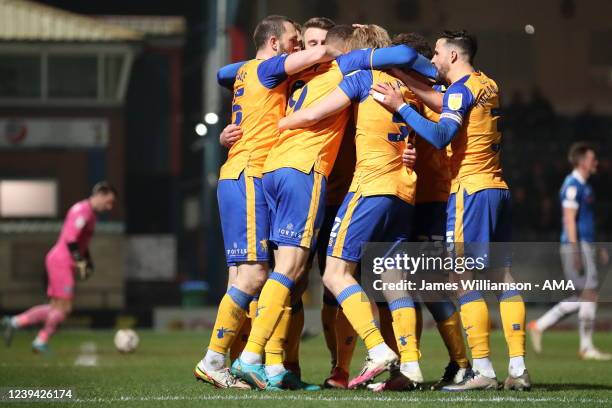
x=33, y=315
x=55, y=317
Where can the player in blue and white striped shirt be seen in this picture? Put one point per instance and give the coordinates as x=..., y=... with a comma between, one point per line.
x=577, y=254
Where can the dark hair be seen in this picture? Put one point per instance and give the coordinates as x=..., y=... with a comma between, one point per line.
x=104, y=187
x=464, y=40
x=269, y=27
x=341, y=32
x=415, y=41
x=297, y=26
x=323, y=23
x=577, y=152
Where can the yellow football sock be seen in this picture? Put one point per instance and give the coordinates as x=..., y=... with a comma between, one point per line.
x=296, y=325
x=512, y=310
x=230, y=317
x=419, y=324
x=243, y=335
x=357, y=309
x=241, y=340
x=386, y=326
x=450, y=331
x=404, y=329
x=328, y=321
x=475, y=319
x=345, y=337
x=275, y=347
x=273, y=300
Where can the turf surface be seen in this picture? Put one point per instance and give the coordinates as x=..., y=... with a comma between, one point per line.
x=159, y=374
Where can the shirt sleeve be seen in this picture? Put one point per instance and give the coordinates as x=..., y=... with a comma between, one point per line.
x=271, y=72
x=437, y=134
x=354, y=60
x=379, y=58
x=75, y=222
x=571, y=196
x=457, y=101
x=357, y=85
x=423, y=66
x=226, y=76
x=401, y=56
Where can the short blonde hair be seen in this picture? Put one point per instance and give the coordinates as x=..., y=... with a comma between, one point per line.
x=369, y=36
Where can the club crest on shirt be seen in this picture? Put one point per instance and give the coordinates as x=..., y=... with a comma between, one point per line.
x=571, y=193
x=79, y=223
x=455, y=100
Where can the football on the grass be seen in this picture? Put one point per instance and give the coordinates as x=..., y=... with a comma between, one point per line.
x=126, y=340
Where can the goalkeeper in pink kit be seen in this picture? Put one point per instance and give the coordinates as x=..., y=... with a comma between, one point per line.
x=68, y=259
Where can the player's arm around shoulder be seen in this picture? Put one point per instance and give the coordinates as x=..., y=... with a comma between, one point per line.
x=331, y=104
x=226, y=75
x=352, y=88
x=301, y=60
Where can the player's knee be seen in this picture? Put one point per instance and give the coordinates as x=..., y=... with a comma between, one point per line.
x=332, y=278
x=589, y=295
x=64, y=305
x=292, y=261
x=587, y=310
x=259, y=279
x=251, y=277
x=328, y=279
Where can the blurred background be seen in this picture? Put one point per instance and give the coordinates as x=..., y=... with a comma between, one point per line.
x=126, y=91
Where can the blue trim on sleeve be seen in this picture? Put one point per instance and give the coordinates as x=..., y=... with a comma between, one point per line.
x=354, y=60
x=357, y=85
x=467, y=100
x=401, y=56
x=472, y=296
x=380, y=58
x=226, y=76
x=401, y=303
x=438, y=134
x=347, y=292
x=271, y=72
x=282, y=279
x=242, y=299
x=424, y=67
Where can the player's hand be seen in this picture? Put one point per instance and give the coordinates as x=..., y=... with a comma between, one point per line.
x=81, y=269
x=356, y=25
x=230, y=135
x=409, y=156
x=398, y=73
x=283, y=123
x=387, y=95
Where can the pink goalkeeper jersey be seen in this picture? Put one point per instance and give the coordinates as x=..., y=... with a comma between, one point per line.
x=78, y=227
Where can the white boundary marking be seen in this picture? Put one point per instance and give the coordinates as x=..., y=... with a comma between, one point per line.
x=250, y=396
x=88, y=356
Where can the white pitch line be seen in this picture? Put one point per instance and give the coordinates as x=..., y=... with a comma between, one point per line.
x=87, y=356
x=250, y=396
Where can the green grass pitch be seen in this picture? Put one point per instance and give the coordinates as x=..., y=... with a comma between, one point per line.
x=159, y=374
